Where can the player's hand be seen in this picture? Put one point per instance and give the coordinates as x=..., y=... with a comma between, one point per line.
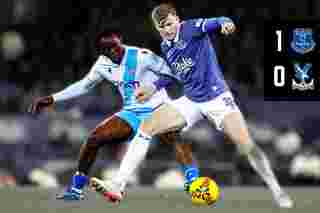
x=40, y=103
x=228, y=28
x=144, y=93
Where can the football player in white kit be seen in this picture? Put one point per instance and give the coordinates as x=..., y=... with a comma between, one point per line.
x=127, y=67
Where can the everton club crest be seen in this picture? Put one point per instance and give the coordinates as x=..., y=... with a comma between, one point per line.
x=302, y=41
x=303, y=75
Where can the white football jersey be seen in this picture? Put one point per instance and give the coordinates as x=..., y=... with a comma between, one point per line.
x=138, y=67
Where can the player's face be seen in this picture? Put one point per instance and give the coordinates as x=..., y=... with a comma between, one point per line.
x=114, y=48
x=168, y=27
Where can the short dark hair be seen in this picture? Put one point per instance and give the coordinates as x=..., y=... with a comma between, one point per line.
x=105, y=33
x=162, y=11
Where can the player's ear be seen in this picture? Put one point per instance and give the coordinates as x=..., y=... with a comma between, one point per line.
x=121, y=39
x=178, y=18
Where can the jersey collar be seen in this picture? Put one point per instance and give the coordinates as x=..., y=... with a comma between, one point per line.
x=123, y=60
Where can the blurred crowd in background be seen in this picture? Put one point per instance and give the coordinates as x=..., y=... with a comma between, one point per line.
x=46, y=45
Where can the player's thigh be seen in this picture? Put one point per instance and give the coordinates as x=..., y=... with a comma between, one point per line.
x=164, y=119
x=226, y=115
x=113, y=129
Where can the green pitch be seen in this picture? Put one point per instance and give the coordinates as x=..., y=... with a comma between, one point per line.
x=235, y=199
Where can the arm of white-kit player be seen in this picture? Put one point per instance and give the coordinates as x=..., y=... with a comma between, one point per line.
x=145, y=92
x=74, y=90
x=80, y=87
x=159, y=66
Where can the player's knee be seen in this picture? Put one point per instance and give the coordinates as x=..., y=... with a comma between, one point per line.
x=246, y=148
x=93, y=141
x=256, y=152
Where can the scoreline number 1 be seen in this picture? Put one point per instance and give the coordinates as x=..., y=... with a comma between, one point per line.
x=279, y=40
x=279, y=70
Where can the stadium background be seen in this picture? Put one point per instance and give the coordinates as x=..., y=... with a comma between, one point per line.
x=47, y=45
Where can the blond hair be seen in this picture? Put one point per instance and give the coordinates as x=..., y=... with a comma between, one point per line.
x=161, y=12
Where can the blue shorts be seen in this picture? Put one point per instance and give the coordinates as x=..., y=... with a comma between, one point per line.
x=134, y=117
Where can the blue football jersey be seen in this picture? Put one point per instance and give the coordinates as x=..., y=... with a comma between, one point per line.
x=193, y=59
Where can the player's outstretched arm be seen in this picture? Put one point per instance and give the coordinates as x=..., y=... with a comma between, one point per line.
x=145, y=92
x=74, y=90
x=39, y=104
x=223, y=24
x=157, y=65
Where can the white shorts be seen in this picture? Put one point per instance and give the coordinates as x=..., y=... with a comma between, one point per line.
x=215, y=110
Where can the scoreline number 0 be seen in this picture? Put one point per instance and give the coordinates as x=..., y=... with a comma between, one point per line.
x=279, y=76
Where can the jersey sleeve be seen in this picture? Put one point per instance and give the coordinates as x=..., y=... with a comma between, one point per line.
x=159, y=66
x=207, y=25
x=155, y=63
x=163, y=82
x=80, y=87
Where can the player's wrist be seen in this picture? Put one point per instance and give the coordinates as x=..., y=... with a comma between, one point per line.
x=52, y=99
x=156, y=86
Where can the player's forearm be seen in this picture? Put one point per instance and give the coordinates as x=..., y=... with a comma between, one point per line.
x=162, y=82
x=214, y=24
x=74, y=90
